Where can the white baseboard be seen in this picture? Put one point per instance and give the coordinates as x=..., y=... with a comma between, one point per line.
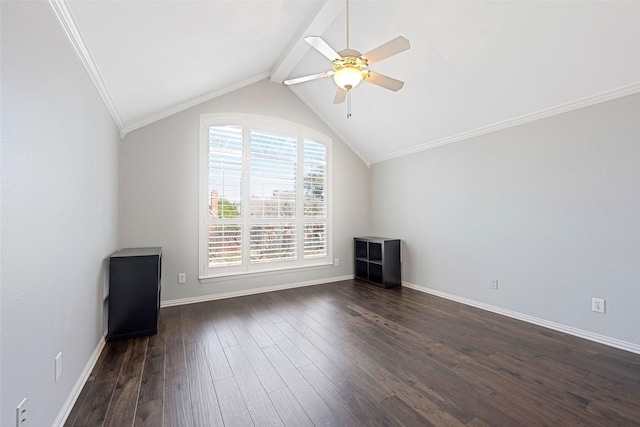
x=77, y=388
x=212, y=297
x=612, y=342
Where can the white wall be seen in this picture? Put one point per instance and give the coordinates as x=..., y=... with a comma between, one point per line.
x=551, y=209
x=59, y=212
x=159, y=191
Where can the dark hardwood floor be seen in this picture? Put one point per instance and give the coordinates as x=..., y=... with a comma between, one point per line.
x=351, y=354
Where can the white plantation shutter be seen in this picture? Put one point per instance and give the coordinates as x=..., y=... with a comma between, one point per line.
x=273, y=242
x=315, y=205
x=273, y=197
x=267, y=199
x=225, y=195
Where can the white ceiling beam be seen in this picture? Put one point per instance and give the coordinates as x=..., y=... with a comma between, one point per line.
x=315, y=24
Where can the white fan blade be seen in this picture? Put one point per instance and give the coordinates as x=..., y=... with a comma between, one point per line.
x=390, y=48
x=341, y=94
x=321, y=46
x=308, y=78
x=384, y=81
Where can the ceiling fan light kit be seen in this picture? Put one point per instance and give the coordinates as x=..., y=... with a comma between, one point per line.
x=350, y=66
x=348, y=77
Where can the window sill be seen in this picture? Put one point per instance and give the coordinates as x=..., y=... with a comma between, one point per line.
x=227, y=276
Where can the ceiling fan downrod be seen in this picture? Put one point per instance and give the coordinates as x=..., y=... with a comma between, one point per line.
x=350, y=67
x=347, y=24
x=348, y=90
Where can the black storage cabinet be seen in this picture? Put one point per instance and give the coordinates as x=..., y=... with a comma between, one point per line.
x=377, y=260
x=134, y=293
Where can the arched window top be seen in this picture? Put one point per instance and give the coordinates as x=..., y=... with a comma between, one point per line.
x=265, y=195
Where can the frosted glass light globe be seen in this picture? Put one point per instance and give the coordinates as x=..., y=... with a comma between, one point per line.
x=347, y=77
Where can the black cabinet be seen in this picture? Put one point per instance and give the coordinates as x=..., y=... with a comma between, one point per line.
x=377, y=260
x=134, y=292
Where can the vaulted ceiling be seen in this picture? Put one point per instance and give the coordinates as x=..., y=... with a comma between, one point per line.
x=473, y=66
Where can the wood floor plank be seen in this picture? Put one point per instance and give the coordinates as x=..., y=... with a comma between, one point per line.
x=218, y=363
x=310, y=328
x=204, y=402
x=425, y=400
x=289, y=410
x=95, y=406
x=263, y=309
x=397, y=365
x=536, y=378
x=177, y=397
x=329, y=393
x=360, y=402
x=122, y=411
x=292, y=352
x=149, y=411
x=350, y=354
x=401, y=414
x=258, y=333
x=330, y=319
x=328, y=366
x=358, y=374
x=268, y=376
x=219, y=314
x=311, y=402
x=86, y=390
x=262, y=411
x=232, y=405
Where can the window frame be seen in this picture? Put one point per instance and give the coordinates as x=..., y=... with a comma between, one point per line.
x=246, y=268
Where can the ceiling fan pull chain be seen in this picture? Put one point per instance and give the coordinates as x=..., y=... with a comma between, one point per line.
x=349, y=105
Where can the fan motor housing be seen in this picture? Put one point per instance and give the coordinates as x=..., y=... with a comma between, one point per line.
x=349, y=58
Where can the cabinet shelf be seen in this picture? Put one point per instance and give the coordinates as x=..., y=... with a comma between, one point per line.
x=377, y=260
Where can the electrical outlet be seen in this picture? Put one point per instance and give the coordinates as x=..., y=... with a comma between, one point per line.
x=597, y=305
x=58, y=365
x=336, y=262
x=182, y=278
x=494, y=283
x=21, y=414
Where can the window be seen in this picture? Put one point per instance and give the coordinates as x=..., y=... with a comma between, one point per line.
x=265, y=199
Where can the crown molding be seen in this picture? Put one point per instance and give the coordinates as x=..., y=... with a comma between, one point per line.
x=62, y=12
x=527, y=118
x=193, y=102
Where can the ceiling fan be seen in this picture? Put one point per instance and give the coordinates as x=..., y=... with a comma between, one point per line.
x=350, y=66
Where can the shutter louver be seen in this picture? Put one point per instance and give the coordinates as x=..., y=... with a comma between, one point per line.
x=273, y=197
x=273, y=242
x=315, y=164
x=315, y=240
x=315, y=206
x=225, y=244
x=225, y=199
